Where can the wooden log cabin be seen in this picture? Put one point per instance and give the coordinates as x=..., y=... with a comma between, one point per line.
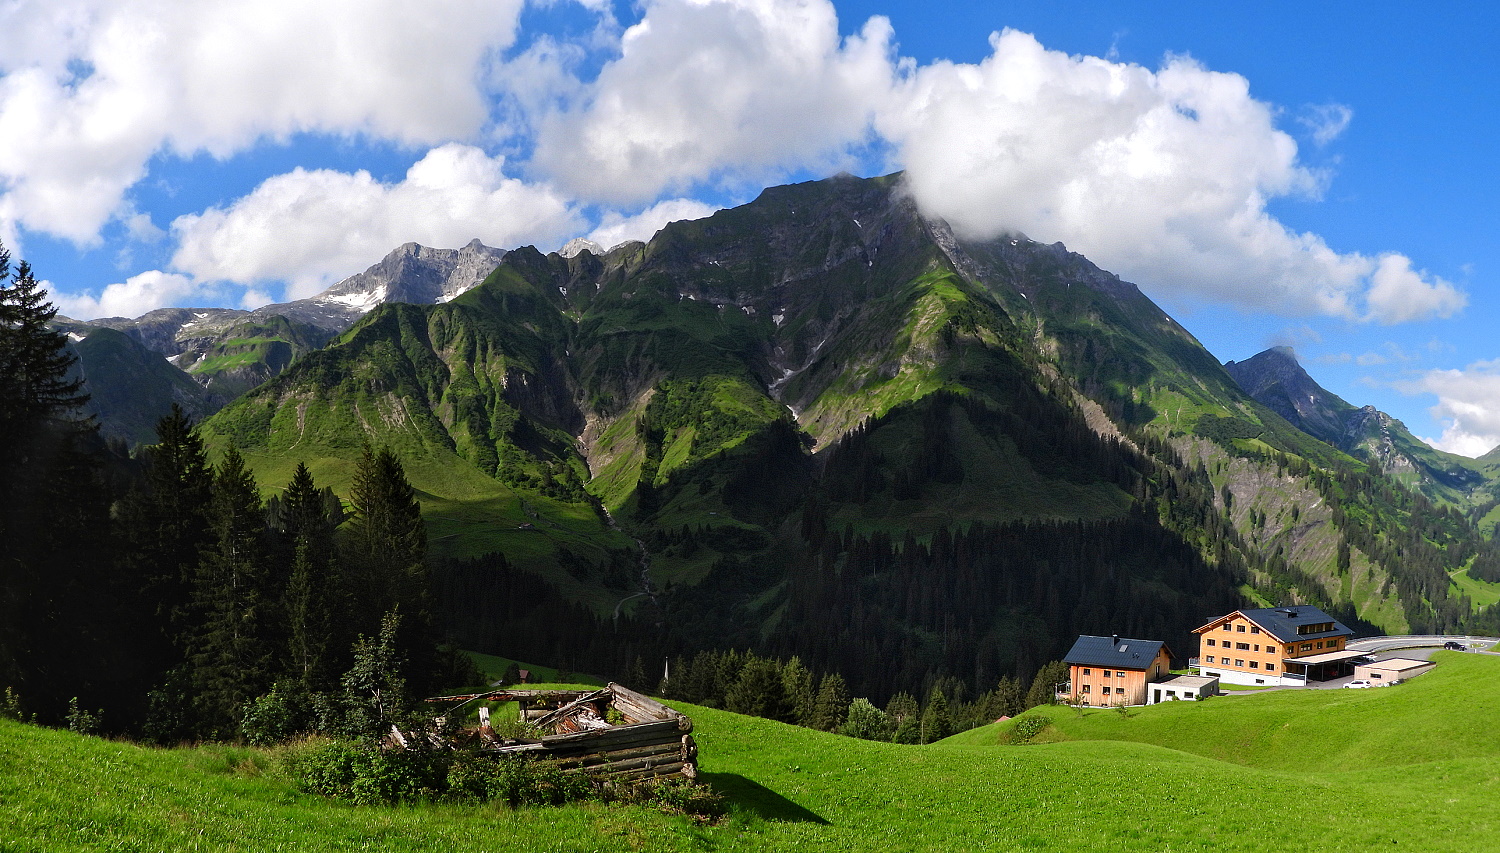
x=613, y=732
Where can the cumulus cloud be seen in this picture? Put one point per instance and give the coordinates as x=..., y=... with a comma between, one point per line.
x=130, y=298
x=313, y=227
x=615, y=228
x=1162, y=176
x=92, y=89
x=1468, y=406
x=710, y=90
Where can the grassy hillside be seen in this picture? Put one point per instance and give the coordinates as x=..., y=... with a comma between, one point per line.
x=1322, y=770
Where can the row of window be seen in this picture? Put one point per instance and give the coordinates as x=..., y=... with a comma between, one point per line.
x=1103, y=672
x=1105, y=690
x=1245, y=647
x=1241, y=628
x=1255, y=664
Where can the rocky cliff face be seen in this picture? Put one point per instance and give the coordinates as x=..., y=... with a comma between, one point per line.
x=1278, y=380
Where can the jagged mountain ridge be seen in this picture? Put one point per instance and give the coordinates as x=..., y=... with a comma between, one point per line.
x=1276, y=378
x=229, y=351
x=781, y=394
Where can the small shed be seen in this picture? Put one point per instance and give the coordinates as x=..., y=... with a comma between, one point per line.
x=1183, y=687
x=1393, y=670
x=613, y=732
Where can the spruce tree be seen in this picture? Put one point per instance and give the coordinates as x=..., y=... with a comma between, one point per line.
x=314, y=590
x=798, y=682
x=231, y=657
x=386, y=562
x=57, y=636
x=937, y=723
x=832, y=705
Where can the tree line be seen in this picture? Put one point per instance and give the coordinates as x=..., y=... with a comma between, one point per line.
x=159, y=593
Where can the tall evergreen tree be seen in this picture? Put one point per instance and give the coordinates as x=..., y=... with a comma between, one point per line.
x=386, y=561
x=937, y=723
x=54, y=545
x=233, y=601
x=314, y=589
x=832, y=705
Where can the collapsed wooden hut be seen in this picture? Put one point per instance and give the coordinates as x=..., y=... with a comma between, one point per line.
x=613, y=732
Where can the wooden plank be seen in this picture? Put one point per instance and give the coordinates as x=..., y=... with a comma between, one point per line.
x=552, y=718
x=589, y=758
x=618, y=734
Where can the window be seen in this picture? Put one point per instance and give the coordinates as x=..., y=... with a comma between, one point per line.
x=1104, y=690
x=1087, y=671
x=1210, y=658
x=1211, y=641
x=1119, y=675
x=1085, y=688
x=1105, y=672
x=1257, y=647
x=1240, y=628
x=1244, y=647
x=1238, y=662
x=1270, y=666
x=1226, y=626
x=1254, y=630
x=1255, y=664
x=1307, y=647
x=1319, y=644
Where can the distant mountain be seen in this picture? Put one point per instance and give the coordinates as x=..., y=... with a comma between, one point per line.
x=1277, y=379
x=229, y=351
x=131, y=387
x=824, y=424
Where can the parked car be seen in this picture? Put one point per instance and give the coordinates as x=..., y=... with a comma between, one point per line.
x=1358, y=683
x=1455, y=646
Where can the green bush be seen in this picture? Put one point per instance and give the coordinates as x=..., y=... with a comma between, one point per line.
x=1027, y=728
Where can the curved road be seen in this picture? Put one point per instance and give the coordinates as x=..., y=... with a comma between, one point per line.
x=1373, y=645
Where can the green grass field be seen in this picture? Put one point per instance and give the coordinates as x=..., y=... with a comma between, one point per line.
x=1408, y=767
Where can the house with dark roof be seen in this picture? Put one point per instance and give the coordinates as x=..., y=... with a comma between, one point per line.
x=1115, y=670
x=1286, y=646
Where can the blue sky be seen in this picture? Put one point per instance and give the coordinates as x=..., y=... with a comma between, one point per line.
x=1309, y=175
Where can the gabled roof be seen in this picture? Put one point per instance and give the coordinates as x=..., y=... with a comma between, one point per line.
x=1115, y=652
x=1283, y=622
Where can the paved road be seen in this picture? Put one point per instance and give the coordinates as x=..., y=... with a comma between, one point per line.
x=1418, y=642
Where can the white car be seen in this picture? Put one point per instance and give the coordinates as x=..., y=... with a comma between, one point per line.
x=1359, y=683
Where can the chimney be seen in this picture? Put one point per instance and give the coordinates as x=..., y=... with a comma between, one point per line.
x=1117, y=639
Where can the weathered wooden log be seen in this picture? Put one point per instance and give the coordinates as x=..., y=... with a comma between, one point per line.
x=618, y=734
x=635, y=708
x=592, y=758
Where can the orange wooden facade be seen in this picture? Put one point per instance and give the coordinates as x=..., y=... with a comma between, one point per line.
x=1236, y=643
x=1097, y=685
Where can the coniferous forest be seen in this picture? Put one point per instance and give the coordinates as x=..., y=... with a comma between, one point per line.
x=160, y=596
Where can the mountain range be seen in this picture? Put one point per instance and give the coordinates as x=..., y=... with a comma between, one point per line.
x=824, y=424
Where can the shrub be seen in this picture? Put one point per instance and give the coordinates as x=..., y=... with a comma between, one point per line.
x=277, y=716
x=1027, y=728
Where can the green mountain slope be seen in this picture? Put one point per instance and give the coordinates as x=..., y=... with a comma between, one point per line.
x=835, y=429
x=130, y=387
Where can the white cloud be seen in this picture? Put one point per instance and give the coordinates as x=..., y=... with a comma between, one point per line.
x=130, y=298
x=1468, y=406
x=719, y=91
x=1160, y=176
x=615, y=228
x=1326, y=122
x=312, y=228
x=92, y=89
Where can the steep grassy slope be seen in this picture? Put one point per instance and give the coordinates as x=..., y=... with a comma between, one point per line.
x=130, y=387
x=249, y=353
x=1324, y=770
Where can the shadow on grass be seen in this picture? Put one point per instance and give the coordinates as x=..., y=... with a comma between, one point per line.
x=756, y=797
